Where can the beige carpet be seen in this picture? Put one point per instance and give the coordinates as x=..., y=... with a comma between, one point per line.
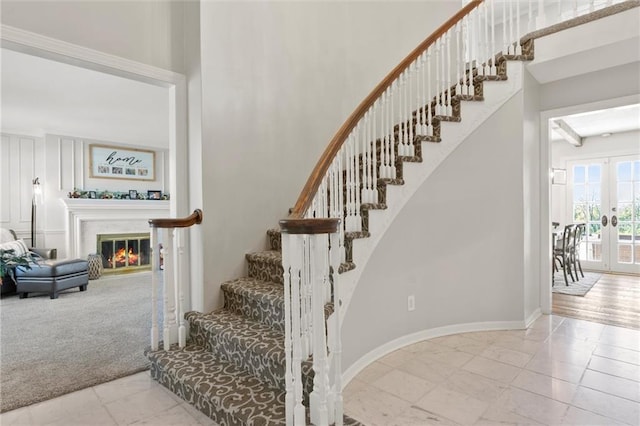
x=52, y=347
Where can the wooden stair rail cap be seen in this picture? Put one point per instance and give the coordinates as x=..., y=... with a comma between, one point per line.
x=309, y=226
x=194, y=218
x=320, y=170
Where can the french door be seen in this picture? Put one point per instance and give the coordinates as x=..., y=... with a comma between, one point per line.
x=604, y=193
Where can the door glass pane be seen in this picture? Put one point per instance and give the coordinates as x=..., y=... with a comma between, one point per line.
x=625, y=191
x=587, y=207
x=594, y=173
x=625, y=212
x=636, y=171
x=624, y=171
x=625, y=253
x=579, y=193
x=593, y=244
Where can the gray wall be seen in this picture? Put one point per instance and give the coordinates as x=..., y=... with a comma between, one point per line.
x=150, y=32
x=457, y=245
x=274, y=91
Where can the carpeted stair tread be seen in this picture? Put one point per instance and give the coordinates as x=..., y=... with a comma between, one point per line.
x=256, y=299
x=244, y=332
x=247, y=343
x=221, y=390
x=266, y=265
x=275, y=243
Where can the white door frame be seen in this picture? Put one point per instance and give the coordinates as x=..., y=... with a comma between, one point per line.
x=545, y=185
x=46, y=47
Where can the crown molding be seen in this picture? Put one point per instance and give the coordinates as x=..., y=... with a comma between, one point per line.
x=29, y=42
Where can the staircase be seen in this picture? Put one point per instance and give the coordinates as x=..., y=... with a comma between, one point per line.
x=234, y=364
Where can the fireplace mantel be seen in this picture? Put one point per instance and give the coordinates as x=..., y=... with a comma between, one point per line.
x=107, y=213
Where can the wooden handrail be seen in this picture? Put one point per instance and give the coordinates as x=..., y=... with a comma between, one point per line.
x=194, y=218
x=318, y=173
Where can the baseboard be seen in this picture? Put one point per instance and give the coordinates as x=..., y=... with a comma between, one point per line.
x=432, y=333
x=531, y=318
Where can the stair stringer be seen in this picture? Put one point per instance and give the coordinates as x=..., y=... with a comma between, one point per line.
x=473, y=114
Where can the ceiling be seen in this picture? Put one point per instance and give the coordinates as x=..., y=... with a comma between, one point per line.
x=43, y=96
x=602, y=122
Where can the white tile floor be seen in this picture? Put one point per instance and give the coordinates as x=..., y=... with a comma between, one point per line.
x=559, y=371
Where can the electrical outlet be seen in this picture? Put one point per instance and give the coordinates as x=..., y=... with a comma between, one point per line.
x=411, y=303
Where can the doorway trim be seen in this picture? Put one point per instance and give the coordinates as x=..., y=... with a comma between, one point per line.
x=23, y=41
x=545, y=185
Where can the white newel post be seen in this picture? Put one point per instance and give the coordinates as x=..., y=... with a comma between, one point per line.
x=311, y=258
x=168, y=240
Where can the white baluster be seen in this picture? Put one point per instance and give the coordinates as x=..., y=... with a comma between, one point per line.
x=492, y=48
x=390, y=131
x=591, y=6
x=365, y=159
x=469, y=50
x=318, y=398
x=518, y=33
x=409, y=148
x=511, y=49
x=169, y=288
x=348, y=147
x=356, y=159
x=384, y=159
x=180, y=284
x=402, y=128
x=485, y=37
x=374, y=164
x=336, y=350
x=505, y=42
x=155, y=281
x=425, y=98
x=338, y=163
x=437, y=66
x=429, y=95
x=449, y=108
x=530, y=21
x=575, y=8
x=459, y=61
x=443, y=77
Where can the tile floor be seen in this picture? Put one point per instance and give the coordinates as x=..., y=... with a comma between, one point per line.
x=559, y=371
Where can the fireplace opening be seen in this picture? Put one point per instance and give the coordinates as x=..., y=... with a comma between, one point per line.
x=124, y=252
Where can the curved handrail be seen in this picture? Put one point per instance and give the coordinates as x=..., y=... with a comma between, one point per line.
x=194, y=218
x=321, y=168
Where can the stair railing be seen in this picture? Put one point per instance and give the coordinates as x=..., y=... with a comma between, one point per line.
x=388, y=126
x=167, y=264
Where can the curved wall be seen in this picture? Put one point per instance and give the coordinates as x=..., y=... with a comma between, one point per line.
x=457, y=247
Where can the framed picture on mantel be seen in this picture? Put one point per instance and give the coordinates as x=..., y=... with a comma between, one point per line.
x=112, y=162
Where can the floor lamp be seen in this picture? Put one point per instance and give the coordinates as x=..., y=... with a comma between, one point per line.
x=35, y=200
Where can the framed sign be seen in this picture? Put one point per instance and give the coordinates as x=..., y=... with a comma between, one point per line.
x=111, y=162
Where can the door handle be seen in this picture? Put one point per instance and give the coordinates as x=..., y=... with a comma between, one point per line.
x=604, y=220
x=614, y=221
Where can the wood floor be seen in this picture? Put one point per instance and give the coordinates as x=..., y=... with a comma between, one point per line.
x=613, y=300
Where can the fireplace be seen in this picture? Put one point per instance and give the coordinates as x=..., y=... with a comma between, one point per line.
x=124, y=252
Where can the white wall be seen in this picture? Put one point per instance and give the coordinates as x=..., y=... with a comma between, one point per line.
x=457, y=246
x=21, y=160
x=61, y=163
x=617, y=144
x=150, y=32
x=274, y=90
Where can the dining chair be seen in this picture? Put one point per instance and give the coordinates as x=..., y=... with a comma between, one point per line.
x=562, y=252
x=580, y=230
